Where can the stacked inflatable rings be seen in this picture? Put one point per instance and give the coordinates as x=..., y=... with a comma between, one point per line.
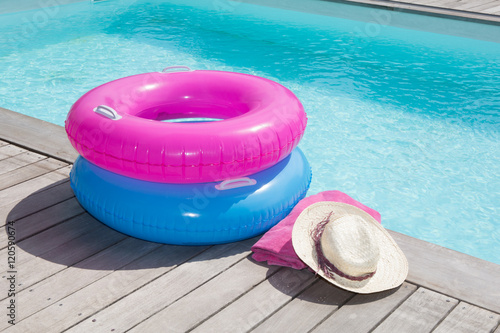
x=189, y=183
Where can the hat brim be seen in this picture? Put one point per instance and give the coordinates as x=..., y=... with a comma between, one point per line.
x=392, y=267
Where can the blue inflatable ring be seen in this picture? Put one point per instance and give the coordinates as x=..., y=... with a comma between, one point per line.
x=192, y=214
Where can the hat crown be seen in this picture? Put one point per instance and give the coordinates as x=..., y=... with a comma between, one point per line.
x=348, y=242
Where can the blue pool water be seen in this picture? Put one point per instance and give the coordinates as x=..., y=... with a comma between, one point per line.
x=405, y=121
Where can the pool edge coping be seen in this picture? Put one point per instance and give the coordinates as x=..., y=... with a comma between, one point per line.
x=36, y=135
x=432, y=266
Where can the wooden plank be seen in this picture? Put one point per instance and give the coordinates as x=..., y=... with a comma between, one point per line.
x=421, y=312
x=201, y=303
x=423, y=9
x=423, y=2
x=3, y=143
x=68, y=281
x=443, y=3
x=482, y=8
x=64, y=171
x=42, y=220
x=37, y=135
x=450, y=272
x=363, y=312
x=108, y=290
x=10, y=150
x=492, y=9
x=37, y=201
x=67, y=254
x=426, y=2
x=48, y=240
x=312, y=306
x=9, y=197
x=497, y=330
x=18, y=161
x=456, y=5
x=259, y=303
x=469, y=5
x=165, y=290
x=478, y=6
x=29, y=171
x=472, y=4
x=468, y=318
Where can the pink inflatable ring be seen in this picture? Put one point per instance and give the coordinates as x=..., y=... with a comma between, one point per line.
x=120, y=126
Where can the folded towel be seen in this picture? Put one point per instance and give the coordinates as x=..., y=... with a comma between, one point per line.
x=276, y=247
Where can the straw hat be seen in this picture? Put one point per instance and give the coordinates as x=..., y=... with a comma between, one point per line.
x=349, y=248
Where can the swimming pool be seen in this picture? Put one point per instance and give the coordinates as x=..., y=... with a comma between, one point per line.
x=405, y=121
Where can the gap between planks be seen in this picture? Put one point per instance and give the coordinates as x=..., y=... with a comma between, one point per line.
x=165, y=290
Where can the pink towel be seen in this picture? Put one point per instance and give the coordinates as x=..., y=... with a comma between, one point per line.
x=276, y=247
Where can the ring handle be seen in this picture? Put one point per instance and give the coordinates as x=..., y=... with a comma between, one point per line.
x=107, y=112
x=171, y=69
x=235, y=183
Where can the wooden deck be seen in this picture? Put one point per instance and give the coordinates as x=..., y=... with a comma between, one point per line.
x=485, y=7
x=487, y=11
x=74, y=274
